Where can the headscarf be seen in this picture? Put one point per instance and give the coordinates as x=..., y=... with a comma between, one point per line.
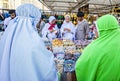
x=23, y=55
x=35, y=13
x=51, y=18
x=100, y=60
x=67, y=16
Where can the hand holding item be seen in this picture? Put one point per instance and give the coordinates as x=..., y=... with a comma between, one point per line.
x=86, y=37
x=67, y=29
x=51, y=31
x=55, y=32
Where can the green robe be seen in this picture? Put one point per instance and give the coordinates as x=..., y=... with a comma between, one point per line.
x=100, y=60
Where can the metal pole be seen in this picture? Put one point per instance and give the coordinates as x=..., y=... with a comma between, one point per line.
x=14, y=4
x=111, y=4
x=2, y=6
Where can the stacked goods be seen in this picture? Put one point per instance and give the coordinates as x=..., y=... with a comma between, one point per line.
x=57, y=46
x=69, y=65
x=78, y=44
x=66, y=53
x=85, y=43
x=69, y=47
x=58, y=52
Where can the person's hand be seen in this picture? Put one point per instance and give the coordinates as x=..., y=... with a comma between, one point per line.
x=51, y=31
x=55, y=32
x=86, y=37
x=67, y=29
x=96, y=34
x=62, y=34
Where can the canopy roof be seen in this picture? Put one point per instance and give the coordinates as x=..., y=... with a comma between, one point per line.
x=64, y=5
x=104, y=2
x=73, y=5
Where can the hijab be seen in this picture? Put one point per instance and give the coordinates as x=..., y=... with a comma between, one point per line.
x=23, y=55
x=100, y=60
x=51, y=18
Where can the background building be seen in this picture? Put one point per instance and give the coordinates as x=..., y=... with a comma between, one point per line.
x=13, y=4
x=4, y=4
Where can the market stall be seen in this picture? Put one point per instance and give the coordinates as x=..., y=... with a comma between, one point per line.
x=66, y=53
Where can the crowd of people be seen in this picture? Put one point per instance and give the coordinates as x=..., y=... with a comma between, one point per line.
x=5, y=18
x=67, y=30
x=24, y=57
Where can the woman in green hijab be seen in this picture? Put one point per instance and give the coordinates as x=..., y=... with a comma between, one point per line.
x=100, y=60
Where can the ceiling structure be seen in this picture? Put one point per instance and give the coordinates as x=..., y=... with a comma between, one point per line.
x=95, y=6
x=102, y=6
x=64, y=5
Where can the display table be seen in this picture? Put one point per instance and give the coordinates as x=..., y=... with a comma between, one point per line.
x=66, y=53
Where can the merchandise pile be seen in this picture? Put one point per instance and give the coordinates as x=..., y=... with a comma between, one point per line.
x=66, y=53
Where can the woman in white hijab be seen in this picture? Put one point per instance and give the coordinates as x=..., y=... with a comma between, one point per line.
x=67, y=29
x=23, y=56
x=50, y=29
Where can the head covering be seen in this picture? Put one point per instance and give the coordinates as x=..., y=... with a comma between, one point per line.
x=51, y=18
x=23, y=56
x=104, y=26
x=35, y=13
x=80, y=14
x=67, y=16
x=102, y=55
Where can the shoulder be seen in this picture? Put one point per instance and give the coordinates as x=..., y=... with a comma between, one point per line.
x=56, y=26
x=86, y=22
x=47, y=24
x=7, y=19
x=72, y=24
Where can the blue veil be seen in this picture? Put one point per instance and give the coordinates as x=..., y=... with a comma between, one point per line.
x=23, y=56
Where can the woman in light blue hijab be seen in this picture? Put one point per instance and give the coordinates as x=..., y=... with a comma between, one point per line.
x=23, y=56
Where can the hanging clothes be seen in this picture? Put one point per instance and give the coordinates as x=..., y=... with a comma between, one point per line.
x=23, y=55
x=100, y=60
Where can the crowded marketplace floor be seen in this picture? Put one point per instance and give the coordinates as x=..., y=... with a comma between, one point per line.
x=61, y=44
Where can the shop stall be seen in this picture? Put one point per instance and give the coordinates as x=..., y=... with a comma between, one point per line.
x=66, y=53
